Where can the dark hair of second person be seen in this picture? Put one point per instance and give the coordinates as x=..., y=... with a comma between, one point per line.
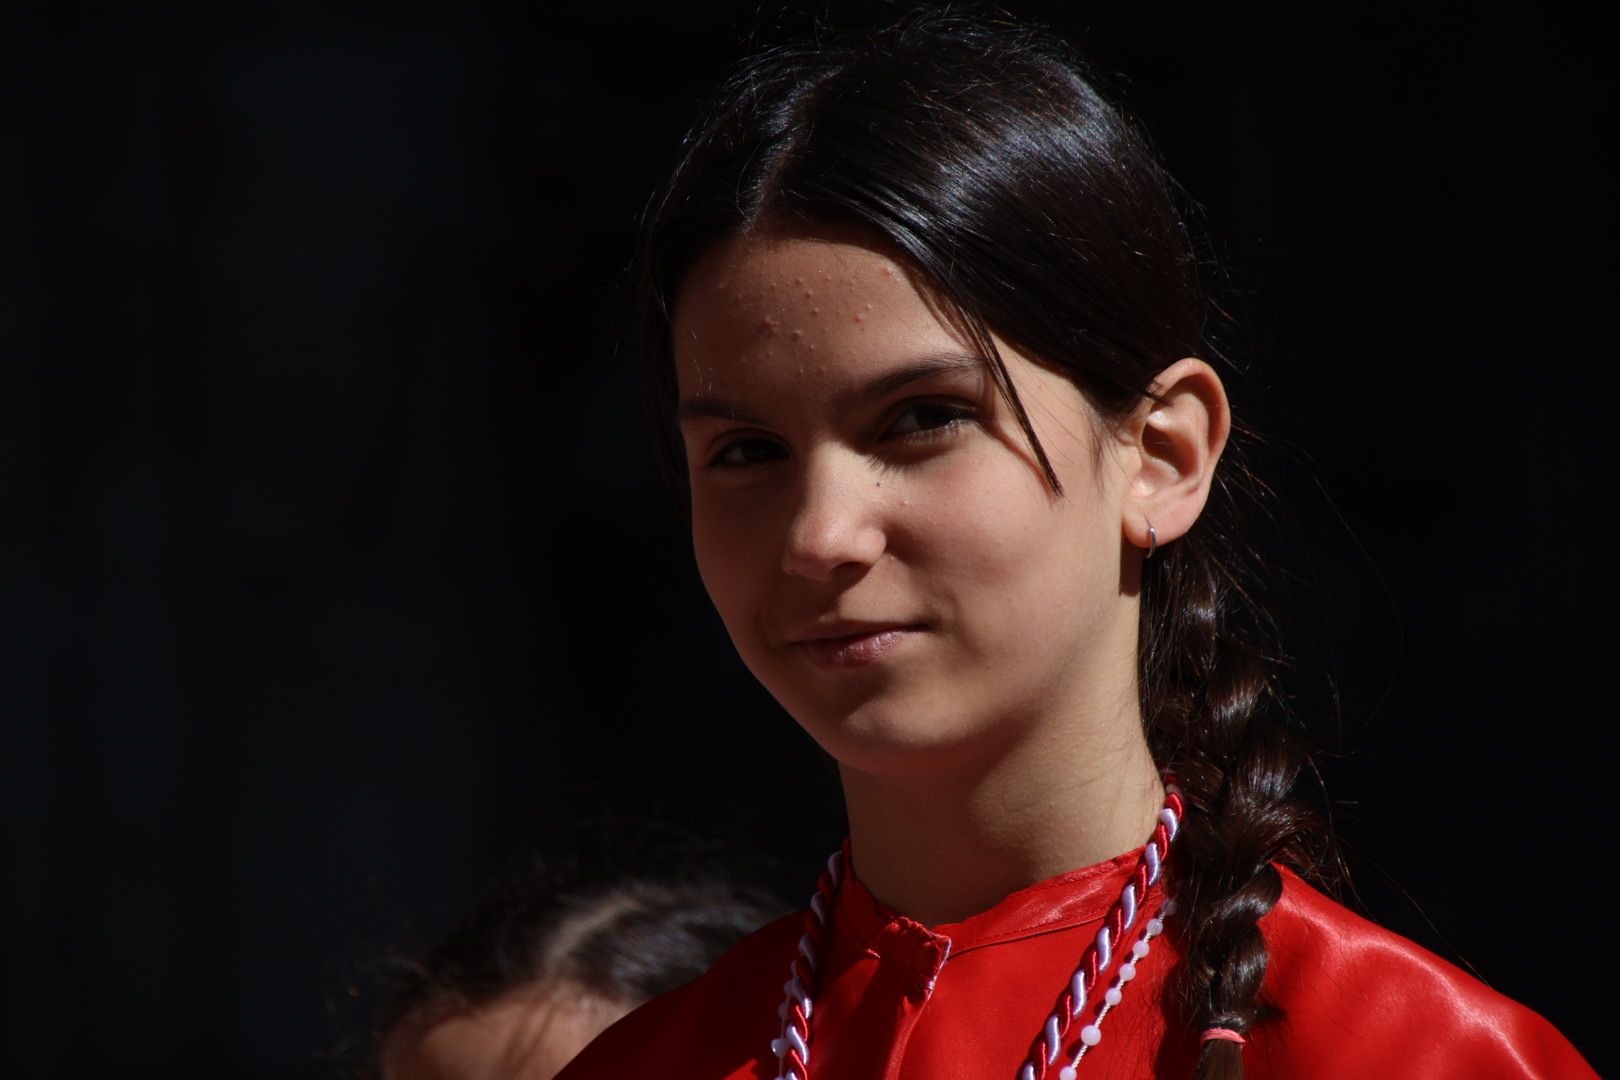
x=533, y=973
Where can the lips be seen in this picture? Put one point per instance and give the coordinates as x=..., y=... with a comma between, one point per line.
x=849, y=644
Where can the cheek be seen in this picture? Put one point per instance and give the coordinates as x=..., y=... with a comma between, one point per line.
x=1003, y=541
x=985, y=519
x=727, y=554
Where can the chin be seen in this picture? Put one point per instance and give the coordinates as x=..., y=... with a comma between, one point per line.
x=889, y=737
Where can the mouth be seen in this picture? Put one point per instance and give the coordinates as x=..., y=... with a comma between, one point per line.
x=851, y=645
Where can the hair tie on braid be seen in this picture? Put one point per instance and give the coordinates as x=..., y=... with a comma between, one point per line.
x=1224, y=1034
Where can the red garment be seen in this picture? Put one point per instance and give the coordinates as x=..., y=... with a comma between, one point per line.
x=966, y=1000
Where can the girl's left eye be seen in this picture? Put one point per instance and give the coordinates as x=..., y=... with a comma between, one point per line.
x=927, y=417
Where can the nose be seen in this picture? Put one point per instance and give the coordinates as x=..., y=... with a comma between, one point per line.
x=837, y=524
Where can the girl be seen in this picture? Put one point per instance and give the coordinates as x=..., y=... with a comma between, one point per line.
x=923, y=350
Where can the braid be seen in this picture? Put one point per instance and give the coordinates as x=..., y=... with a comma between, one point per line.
x=1218, y=720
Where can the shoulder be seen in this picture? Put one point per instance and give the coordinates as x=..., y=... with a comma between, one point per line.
x=717, y=1026
x=1382, y=1005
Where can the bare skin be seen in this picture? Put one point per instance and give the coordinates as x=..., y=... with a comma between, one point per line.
x=893, y=566
x=527, y=1034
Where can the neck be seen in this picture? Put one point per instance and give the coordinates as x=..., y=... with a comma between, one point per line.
x=943, y=844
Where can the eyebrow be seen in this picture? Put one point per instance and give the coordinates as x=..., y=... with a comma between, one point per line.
x=704, y=407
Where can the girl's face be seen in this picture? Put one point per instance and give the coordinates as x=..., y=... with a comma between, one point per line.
x=870, y=521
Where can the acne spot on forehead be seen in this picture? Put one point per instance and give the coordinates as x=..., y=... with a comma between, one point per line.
x=766, y=314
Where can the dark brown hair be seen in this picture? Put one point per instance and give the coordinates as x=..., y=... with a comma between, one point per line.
x=622, y=941
x=983, y=153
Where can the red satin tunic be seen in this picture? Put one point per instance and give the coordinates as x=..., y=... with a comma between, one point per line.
x=965, y=1001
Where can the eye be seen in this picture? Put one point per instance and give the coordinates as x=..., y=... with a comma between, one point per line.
x=741, y=453
x=925, y=418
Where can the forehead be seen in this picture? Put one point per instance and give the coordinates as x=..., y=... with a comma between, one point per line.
x=801, y=308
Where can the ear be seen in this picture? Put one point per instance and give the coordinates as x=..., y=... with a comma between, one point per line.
x=1169, y=449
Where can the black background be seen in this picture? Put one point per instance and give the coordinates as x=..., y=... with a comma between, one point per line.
x=337, y=575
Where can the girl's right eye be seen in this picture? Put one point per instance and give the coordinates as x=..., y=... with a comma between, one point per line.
x=741, y=453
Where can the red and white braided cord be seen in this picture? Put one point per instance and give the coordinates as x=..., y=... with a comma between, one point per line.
x=792, y=1047
x=1054, y=1033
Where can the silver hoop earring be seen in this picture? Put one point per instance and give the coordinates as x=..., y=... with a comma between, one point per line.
x=1153, y=542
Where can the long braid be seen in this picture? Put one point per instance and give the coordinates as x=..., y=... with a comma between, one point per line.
x=1219, y=721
